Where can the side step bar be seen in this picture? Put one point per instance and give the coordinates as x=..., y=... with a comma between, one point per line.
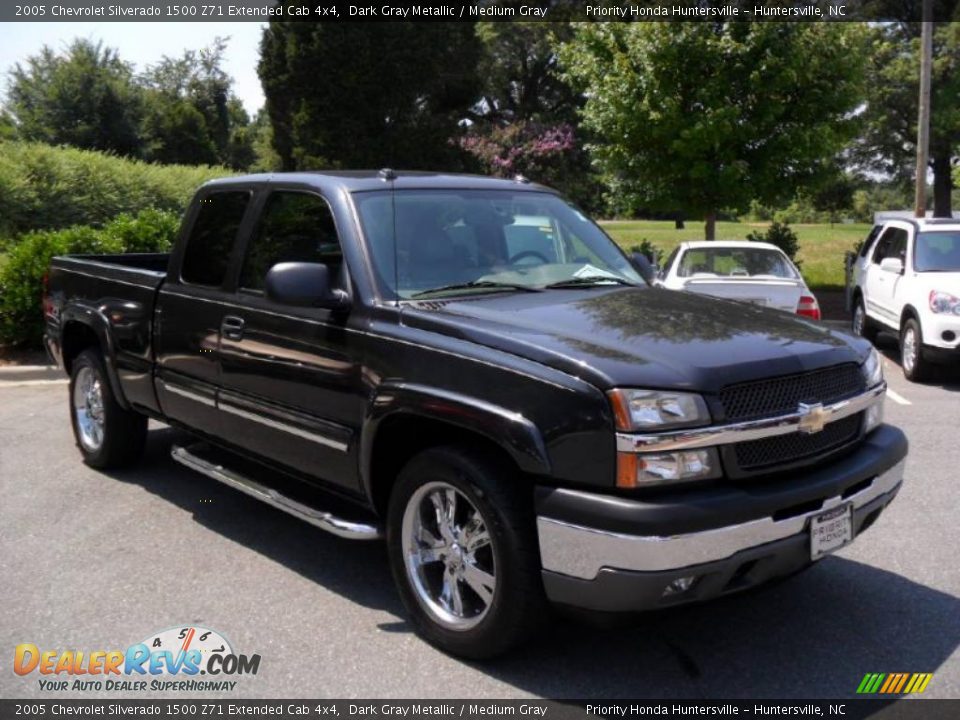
x=323, y=520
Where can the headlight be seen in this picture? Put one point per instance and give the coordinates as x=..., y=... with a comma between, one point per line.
x=872, y=369
x=941, y=302
x=657, y=410
x=645, y=470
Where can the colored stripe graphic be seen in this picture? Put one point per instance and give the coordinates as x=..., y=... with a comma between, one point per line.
x=894, y=683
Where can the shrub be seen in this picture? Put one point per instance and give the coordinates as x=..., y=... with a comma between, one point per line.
x=782, y=236
x=653, y=253
x=44, y=187
x=21, y=275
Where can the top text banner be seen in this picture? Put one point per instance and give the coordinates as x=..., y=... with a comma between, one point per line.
x=478, y=10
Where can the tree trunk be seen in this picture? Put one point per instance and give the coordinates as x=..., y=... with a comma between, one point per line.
x=710, y=226
x=942, y=184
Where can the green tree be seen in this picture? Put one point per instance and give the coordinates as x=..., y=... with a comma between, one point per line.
x=889, y=142
x=707, y=116
x=84, y=96
x=362, y=95
x=192, y=114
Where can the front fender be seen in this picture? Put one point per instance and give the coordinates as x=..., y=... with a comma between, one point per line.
x=510, y=430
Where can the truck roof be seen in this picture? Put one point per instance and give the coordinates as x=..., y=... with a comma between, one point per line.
x=369, y=180
x=926, y=223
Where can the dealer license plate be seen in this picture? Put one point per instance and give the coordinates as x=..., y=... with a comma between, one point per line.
x=830, y=531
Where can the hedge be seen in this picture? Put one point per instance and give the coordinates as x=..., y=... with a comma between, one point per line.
x=44, y=187
x=21, y=274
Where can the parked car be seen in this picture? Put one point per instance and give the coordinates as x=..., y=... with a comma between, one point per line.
x=906, y=279
x=470, y=368
x=755, y=272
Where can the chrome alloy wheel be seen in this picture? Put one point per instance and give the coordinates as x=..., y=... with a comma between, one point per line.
x=448, y=556
x=908, y=351
x=88, y=408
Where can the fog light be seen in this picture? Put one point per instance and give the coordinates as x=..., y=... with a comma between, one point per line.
x=873, y=416
x=680, y=586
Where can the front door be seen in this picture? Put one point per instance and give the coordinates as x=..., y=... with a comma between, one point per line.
x=291, y=390
x=882, y=285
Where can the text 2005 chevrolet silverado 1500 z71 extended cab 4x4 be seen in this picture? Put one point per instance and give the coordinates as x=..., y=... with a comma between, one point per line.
x=473, y=369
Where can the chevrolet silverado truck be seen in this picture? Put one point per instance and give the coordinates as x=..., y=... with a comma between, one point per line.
x=471, y=369
x=906, y=280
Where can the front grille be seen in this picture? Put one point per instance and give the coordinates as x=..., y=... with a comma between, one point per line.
x=793, y=447
x=783, y=395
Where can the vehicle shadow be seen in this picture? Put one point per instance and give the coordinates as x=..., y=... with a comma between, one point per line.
x=946, y=377
x=814, y=636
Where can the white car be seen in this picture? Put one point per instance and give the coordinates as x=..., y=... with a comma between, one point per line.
x=906, y=279
x=754, y=272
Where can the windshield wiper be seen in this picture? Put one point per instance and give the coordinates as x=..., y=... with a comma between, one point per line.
x=591, y=280
x=477, y=284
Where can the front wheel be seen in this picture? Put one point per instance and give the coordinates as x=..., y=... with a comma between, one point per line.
x=108, y=436
x=862, y=326
x=915, y=368
x=461, y=538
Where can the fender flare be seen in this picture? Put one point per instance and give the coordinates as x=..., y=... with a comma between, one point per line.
x=94, y=318
x=509, y=430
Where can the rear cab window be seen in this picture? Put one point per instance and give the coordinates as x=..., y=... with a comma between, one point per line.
x=212, y=236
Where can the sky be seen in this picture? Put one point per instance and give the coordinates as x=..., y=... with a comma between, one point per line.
x=143, y=44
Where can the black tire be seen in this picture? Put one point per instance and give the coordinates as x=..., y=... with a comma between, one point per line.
x=505, y=504
x=915, y=369
x=124, y=432
x=867, y=330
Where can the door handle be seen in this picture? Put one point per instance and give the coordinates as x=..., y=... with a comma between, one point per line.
x=231, y=327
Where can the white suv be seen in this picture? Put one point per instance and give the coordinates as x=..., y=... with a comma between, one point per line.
x=906, y=278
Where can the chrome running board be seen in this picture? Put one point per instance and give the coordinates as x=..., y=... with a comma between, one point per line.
x=318, y=518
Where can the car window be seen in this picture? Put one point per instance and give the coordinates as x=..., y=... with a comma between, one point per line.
x=531, y=238
x=665, y=270
x=294, y=227
x=424, y=241
x=868, y=243
x=735, y=262
x=212, y=236
x=893, y=243
x=937, y=252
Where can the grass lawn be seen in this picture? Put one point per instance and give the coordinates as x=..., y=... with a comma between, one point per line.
x=821, y=246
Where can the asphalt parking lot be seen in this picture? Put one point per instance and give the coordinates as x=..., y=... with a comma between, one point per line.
x=100, y=561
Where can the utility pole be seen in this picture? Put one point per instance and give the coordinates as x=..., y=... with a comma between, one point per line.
x=923, y=123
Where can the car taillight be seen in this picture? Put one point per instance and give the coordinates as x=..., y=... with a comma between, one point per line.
x=808, y=307
x=45, y=301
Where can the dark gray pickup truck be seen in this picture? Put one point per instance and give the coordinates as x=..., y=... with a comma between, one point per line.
x=471, y=368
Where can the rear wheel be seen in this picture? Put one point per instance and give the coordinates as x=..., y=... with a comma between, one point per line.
x=108, y=435
x=915, y=368
x=461, y=538
x=862, y=325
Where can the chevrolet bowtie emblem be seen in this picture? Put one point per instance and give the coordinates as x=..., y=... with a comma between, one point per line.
x=812, y=418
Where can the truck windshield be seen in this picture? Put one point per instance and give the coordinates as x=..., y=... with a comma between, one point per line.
x=938, y=252
x=448, y=242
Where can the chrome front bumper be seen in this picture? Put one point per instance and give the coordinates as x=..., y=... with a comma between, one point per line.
x=581, y=552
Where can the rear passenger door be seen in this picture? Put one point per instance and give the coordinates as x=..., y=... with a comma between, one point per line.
x=290, y=389
x=190, y=308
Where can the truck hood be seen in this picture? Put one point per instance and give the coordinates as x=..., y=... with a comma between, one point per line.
x=647, y=337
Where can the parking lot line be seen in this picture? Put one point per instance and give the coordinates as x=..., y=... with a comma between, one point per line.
x=898, y=398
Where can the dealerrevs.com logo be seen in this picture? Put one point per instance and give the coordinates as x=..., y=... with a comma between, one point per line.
x=170, y=660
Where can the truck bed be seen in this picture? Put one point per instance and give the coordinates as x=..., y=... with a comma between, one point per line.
x=142, y=269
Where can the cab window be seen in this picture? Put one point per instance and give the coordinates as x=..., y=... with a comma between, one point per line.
x=294, y=227
x=893, y=243
x=211, y=239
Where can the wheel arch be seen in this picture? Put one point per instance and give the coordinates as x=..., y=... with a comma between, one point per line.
x=909, y=313
x=83, y=328
x=407, y=419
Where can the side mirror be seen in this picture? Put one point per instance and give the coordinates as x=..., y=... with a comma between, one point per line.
x=892, y=265
x=304, y=284
x=643, y=266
